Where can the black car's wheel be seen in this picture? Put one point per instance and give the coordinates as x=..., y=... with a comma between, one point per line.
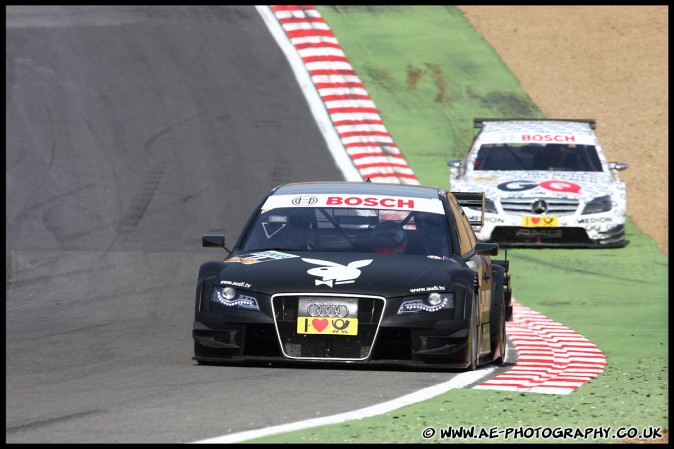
x=473, y=337
x=208, y=273
x=498, y=340
x=497, y=319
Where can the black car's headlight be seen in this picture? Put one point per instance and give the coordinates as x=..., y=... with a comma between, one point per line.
x=231, y=297
x=426, y=303
x=598, y=205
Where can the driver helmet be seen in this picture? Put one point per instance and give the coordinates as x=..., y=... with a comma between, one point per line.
x=388, y=237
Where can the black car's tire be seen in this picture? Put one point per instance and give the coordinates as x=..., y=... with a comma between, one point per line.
x=497, y=318
x=208, y=274
x=473, y=337
x=498, y=343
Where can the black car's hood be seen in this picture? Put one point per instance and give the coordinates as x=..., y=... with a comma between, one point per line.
x=271, y=272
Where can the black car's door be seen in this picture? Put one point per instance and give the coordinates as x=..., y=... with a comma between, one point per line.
x=481, y=264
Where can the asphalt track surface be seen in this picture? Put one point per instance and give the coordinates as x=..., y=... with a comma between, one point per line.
x=132, y=131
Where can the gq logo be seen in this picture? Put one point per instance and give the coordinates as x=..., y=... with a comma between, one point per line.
x=553, y=185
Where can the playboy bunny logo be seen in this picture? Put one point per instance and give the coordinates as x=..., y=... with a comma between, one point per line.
x=331, y=272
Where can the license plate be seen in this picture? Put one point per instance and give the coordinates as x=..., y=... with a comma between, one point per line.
x=540, y=222
x=327, y=316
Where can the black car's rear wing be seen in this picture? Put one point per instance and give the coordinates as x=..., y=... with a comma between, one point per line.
x=479, y=122
x=474, y=200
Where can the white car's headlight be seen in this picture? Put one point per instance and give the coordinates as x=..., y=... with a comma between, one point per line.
x=598, y=205
x=489, y=206
x=426, y=303
x=230, y=297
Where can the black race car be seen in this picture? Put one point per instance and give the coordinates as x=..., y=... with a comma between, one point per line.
x=355, y=272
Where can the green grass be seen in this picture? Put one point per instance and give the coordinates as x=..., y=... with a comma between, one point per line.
x=429, y=74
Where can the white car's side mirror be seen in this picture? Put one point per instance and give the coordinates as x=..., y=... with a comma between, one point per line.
x=617, y=166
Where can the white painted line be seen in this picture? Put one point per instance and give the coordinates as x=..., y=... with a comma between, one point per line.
x=329, y=68
x=316, y=105
x=460, y=381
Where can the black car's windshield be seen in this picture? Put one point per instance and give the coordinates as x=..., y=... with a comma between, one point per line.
x=549, y=157
x=383, y=231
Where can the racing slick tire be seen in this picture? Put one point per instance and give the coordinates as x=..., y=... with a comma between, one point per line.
x=498, y=335
x=473, y=337
x=208, y=272
x=497, y=318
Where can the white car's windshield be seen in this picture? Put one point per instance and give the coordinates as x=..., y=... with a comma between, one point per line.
x=383, y=231
x=548, y=157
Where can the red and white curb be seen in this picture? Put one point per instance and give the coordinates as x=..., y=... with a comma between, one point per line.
x=353, y=114
x=552, y=358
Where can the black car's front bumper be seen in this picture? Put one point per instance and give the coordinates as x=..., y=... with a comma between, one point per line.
x=435, y=338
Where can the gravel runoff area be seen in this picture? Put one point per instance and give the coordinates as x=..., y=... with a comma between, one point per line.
x=609, y=63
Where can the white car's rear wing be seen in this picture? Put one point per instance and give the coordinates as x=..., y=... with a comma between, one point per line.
x=479, y=122
x=472, y=199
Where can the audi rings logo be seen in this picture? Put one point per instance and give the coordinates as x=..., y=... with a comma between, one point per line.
x=328, y=310
x=304, y=200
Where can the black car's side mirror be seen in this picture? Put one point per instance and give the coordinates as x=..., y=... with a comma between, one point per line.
x=487, y=248
x=213, y=241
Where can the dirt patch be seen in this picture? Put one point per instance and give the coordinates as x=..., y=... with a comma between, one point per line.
x=413, y=76
x=609, y=63
x=441, y=83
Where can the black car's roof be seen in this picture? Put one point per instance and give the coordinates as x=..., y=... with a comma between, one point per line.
x=359, y=188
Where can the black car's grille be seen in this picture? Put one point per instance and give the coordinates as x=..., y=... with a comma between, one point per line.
x=537, y=206
x=336, y=347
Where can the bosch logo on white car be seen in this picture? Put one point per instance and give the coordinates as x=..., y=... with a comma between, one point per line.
x=547, y=183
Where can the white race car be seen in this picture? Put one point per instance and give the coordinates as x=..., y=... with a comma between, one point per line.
x=546, y=182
